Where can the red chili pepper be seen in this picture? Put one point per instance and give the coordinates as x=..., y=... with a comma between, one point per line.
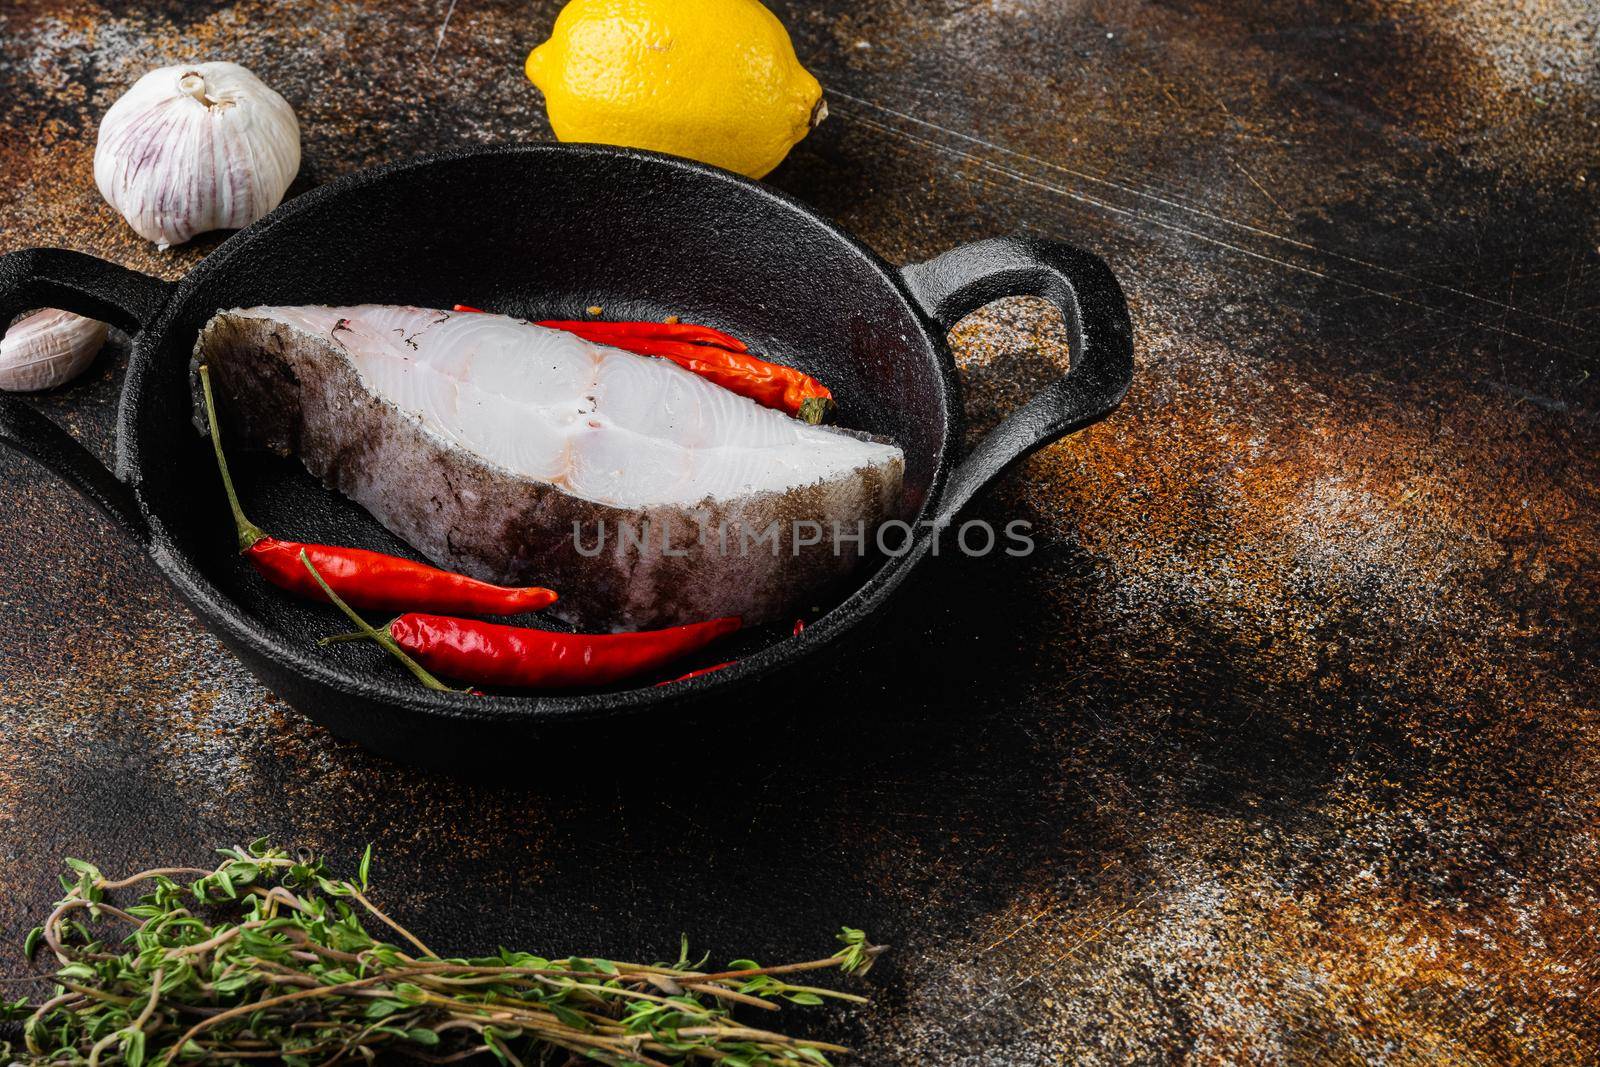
x=768, y=384
x=518, y=657
x=487, y=653
x=696, y=674
x=611, y=332
x=719, y=358
x=388, y=583
x=660, y=331
x=369, y=579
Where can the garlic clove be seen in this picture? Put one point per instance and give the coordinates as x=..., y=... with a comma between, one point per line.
x=47, y=349
x=194, y=148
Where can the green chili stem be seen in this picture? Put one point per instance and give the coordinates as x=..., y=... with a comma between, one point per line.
x=249, y=532
x=388, y=642
x=816, y=410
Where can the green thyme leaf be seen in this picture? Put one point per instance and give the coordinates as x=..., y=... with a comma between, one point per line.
x=270, y=956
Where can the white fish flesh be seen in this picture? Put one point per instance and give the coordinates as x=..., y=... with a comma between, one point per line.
x=642, y=493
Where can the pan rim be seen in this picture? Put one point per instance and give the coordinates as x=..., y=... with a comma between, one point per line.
x=226, y=618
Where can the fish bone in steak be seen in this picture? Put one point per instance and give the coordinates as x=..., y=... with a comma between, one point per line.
x=503, y=450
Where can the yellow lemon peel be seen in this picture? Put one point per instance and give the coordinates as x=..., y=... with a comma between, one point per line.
x=713, y=80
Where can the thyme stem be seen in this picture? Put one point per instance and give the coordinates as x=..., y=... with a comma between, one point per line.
x=265, y=957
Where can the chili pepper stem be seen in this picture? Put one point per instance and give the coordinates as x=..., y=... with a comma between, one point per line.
x=384, y=639
x=816, y=410
x=334, y=639
x=249, y=532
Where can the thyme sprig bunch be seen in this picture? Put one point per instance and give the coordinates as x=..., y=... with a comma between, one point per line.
x=267, y=958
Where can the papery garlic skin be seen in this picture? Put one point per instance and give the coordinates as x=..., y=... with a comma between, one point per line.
x=47, y=349
x=197, y=147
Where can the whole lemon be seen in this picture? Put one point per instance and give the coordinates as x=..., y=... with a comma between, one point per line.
x=714, y=80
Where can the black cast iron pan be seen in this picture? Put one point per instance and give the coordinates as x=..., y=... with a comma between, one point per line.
x=545, y=231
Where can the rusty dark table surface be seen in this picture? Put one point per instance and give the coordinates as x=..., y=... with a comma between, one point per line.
x=1285, y=744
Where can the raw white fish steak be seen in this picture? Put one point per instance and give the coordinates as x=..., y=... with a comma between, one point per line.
x=508, y=451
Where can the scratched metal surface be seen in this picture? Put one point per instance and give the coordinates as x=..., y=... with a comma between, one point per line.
x=1283, y=746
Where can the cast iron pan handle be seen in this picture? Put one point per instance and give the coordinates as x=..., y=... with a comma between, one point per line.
x=72, y=281
x=1099, y=332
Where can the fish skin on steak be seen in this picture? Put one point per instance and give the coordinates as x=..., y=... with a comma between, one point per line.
x=507, y=451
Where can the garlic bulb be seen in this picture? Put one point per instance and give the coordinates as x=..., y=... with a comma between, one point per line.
x=198, y=147
x=47, y=349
